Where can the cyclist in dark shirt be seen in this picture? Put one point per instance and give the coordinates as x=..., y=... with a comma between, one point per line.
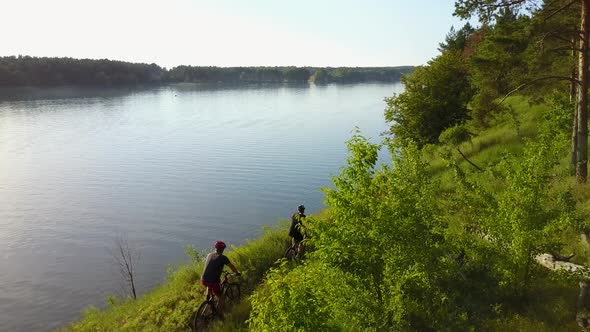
x=211, y=277
x=295, y=231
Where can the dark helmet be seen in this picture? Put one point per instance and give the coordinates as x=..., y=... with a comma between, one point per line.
x=220, y=245
x=301, y=208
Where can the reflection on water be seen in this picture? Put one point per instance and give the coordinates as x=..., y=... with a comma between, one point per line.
x=167, y=167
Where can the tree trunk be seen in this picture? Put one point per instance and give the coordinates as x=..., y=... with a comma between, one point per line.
x=582, y=305
x=573, y=73
x=582, y=95
x=585, y=235
x=132, y=282
x=572, y=92
x=574, y=151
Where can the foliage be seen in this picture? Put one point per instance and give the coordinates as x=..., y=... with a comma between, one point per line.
x=526, y=218
x=516, y=210
x=455, y=135
x=499, y=64
x=457, y=41
x=383, y=242
x=485, y=10
x=311, y=297
x=435, y=98
x=523, y=45
x=551, y=51
x=559, y=117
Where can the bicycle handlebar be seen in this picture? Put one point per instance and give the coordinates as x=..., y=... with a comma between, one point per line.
x=227, y=273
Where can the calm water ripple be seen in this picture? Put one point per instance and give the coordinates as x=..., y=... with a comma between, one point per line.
x=166, y=167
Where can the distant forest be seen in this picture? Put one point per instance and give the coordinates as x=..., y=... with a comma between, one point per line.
x=43, y=71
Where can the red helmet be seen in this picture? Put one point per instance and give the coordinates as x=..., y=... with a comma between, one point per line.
x=220, y=245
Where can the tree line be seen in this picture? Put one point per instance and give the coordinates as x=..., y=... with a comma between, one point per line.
x=44, y=71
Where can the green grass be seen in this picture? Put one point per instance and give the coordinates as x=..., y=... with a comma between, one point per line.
x=552, y=308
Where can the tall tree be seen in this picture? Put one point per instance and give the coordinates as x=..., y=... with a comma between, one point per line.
x=498, y=62
x=485, y=9
x=554, y=49
x=456, y=40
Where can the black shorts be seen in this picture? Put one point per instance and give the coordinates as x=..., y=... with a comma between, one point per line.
x=298, y=237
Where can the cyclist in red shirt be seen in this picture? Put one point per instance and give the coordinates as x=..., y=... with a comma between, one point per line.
x=211, y=277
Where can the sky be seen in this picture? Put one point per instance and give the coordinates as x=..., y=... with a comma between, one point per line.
x=364, y=33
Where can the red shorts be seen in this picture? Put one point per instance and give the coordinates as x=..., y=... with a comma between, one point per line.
x=214, y=286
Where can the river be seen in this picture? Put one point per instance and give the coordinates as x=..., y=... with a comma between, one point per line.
x=164, y=168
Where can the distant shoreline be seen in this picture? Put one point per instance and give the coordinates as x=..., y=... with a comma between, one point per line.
x=27, y=71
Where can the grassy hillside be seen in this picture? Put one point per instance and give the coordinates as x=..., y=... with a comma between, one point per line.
x=553, y=305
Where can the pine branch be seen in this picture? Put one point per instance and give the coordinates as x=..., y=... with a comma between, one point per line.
x=557, y=11
x=504, y=4
x=518, y=88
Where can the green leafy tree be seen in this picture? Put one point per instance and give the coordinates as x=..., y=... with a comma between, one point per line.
x=312, y=297
x=379, y=262
x=435, y=98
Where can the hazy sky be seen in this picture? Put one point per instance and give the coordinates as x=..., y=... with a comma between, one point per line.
x=230, y=32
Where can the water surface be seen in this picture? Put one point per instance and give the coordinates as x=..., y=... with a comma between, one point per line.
x=166, y=168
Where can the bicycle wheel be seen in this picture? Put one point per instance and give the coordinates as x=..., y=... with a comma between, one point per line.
x=232, y=292
x=291, y=254
x=204, y=315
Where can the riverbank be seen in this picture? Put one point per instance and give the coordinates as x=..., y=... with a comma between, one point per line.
x=169, y=306
x=543, y=301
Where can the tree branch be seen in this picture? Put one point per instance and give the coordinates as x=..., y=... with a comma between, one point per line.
x=562, y=78
x=564, y=48
x=126, y=257
x=469, y=161
x=557, y=35
x=504, y=4
x=557, y=11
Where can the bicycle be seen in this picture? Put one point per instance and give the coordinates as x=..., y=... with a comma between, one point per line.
x=208, y=310
x=292, y=253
